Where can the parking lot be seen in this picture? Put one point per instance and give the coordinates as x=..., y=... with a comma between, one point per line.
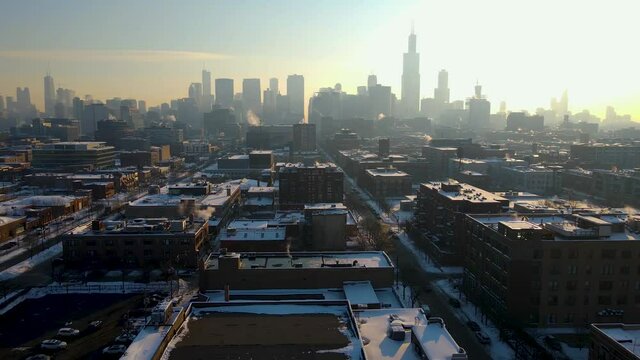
x=23, y=328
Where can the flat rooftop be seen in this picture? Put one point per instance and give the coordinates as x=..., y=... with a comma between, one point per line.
x=564, y=227
x=626, y=335
x=264, y=234
x=456, y=191
x=267, y=330
x=431, y=337
x=387, y=172
x=305, y=260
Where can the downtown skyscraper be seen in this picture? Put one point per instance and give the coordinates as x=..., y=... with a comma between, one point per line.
x=410, y=92
x=295, y=92
x=49, y=95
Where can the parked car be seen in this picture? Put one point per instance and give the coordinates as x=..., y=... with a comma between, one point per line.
x=125, y=338
x=39, y=357
x=68, y=332
x=473, y=325
x=53, y=344
x=454, y=302
x=114, y=350
x=552, y=342
x=482, y=338
x=95, y=324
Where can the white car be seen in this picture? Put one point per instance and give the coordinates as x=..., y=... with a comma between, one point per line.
x=53, y=344
x=114, y=349
x=125, y=338
x=68, y=332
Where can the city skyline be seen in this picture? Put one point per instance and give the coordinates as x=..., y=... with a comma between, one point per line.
x=525, y=69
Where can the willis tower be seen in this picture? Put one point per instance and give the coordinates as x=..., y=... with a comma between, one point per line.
x=411, y=79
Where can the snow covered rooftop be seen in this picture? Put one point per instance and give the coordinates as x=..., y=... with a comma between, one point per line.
x=346, y=259
x=420, y=335
x=264, y=234
x=267, y=330
x=627, y=335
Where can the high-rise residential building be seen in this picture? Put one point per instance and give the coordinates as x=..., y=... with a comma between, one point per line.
x=372, y=80
x=252, y=95
x=295, y=92
x=441, y=93
x=23, y=98
x=304, y=137
x=90, y=117
x=479, y=110
x=195, y=91
x=49, y=95
x=2, y=106
x=142, y=106
x=380, y=100
x=411, y=79
x=300, y=184
x=78, y=108
x=273, y=84
x=224, y=92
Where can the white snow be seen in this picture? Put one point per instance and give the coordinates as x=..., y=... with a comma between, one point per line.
x=26, y=265
x=423, y=259
x=497, y=349
x=433, y=338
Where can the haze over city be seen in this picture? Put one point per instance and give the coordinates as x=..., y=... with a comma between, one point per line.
x=330, y=180
x=522, y=53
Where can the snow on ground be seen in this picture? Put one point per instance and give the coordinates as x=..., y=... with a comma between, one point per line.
x=497, y=349
x=423, y=259
x=575, y=353
x=10, y=254
x=22, y=267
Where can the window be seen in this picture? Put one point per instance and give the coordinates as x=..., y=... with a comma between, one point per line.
x=608, y=253
x=607, y=269
x=556, y=253
x=128, y=242
x=552, y=300
x=621, y=300
x=606, y=285
x=625, y=269
x=604, y=300
x=148, y=252
x=573, y=269
x=571, y=285
x=570, y=300
x=626, y=254
x=553, y=285
x=147, y=242
x=573, y=253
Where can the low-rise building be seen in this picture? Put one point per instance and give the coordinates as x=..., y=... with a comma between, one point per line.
x=295, y=270
x=614, y=341
x=139, y=243
x=74, y=156
x=387, y=182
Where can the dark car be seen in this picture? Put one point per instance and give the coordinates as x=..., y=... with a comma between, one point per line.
x=473, y=325
x=454, y=302
x=552, y=342
x=482, y=338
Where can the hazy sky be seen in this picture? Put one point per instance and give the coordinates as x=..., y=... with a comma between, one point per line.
x=523, y=52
